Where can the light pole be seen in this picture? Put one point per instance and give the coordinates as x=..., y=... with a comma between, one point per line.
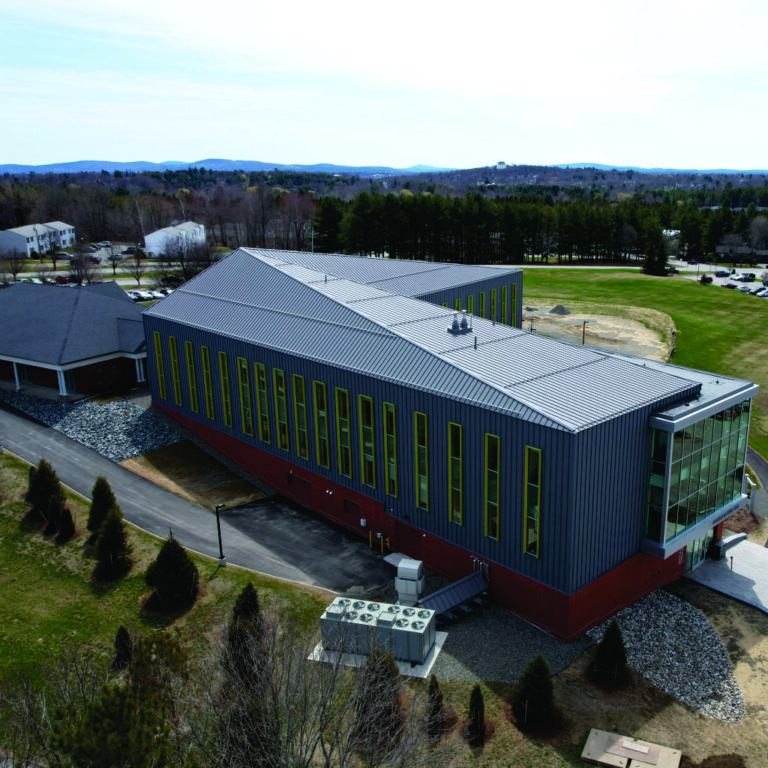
x=222, y=561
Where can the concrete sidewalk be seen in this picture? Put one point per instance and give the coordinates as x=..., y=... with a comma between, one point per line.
x=742, y=574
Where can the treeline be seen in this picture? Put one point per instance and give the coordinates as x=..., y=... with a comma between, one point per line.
x=513, y=230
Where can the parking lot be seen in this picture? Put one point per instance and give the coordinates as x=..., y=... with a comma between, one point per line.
x=748, y=280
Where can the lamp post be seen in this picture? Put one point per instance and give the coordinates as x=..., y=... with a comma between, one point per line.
x=222, y=561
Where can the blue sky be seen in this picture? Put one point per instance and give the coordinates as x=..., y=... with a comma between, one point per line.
x=652, y=83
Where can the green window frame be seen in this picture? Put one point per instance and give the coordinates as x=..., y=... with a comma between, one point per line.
x=189, y=352
x=514, y=305
x=532, y=504
x=457, y=305
x=320, y=402
x=160, y=365
x=504, y=313
x=262, y=402
x=481, y=304
x=455, y=474
x=492, y=462
x=367, y=450
x=470, y=304
x=421, y=459
x=205, y=356
x=300, y=416
x=390, y=449
x=226, y=392
x=244, y=385
x=445, y=304
x=343, y=433
x=175, y=373
x=493, y=305
x=281, y=411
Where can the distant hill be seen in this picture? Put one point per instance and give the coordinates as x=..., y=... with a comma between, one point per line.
x=680, y=171
x=214, y=164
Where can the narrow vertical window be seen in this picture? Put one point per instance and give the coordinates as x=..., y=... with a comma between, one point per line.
x=281, y=413
x=421, y=457
x=300, y=416
x=390, y=449
x=321, y=425
x=226, y=393
x=342, y=433
x=445, y=304
x=481, y=304
x=207, y=382
x=175, y=373
x=367, y=459
x=493, y=305
x=504, y=314
x=470, y=304
x=457, y=305
x=455, y=490
x=492, y=486
x=514, y=306
x=262, y=402
x=160, y=365
x=244, y=385
x=191, y=376
x=532, y=501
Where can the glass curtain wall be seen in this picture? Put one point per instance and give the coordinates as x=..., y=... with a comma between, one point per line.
x=701, y=467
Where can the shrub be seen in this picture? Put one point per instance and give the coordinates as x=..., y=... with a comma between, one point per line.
x=43, y=483
x=113, y=551
x=476, y=717
x=123, y=648
x=435, y=714
x=102, y=500
x=609, y=665
x=173, y=575
x=532, y=701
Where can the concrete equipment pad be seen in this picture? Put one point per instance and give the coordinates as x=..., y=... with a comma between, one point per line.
x=616, y=751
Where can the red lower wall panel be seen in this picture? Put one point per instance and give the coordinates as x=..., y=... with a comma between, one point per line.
x=565, y=616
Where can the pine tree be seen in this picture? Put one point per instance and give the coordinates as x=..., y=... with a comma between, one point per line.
x=244, y=635
x=173, y=575
x=476, y=717
x=102, y=500
x=609, y=666
x=377, y=724
x=113, y=551
x=435, y=715
x=60, y=516
x=123, y=648
x=533, y=701
x=43, y=483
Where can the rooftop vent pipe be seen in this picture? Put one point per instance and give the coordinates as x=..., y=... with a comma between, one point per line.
x=460, y=327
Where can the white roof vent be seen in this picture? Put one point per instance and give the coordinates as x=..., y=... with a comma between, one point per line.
x=459, y=327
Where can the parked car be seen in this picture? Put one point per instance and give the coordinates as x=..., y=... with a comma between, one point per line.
x=693, y=262
x=166, y=291
x=130, y=249
x=706, y=279
x=722, y=273
x=104, y=244
x=91, y=248
x=61, y=256
x=94, y=260
x=62, y=279
x=745, y=289
x=730, y=285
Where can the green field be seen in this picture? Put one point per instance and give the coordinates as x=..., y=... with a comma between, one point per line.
x=718, y=330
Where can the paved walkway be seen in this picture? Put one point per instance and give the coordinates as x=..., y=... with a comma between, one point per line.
x=742, y=573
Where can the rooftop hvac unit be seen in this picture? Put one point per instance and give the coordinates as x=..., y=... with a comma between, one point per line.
x=409, y=581
x=356, y=626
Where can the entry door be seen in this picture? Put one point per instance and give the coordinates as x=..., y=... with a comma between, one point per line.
x=696, y=551
x=409, y=540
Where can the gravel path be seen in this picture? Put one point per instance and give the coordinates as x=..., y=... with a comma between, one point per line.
x=673, y=645
x=118, y=430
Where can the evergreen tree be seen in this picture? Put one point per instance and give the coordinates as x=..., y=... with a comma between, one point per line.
x=60, y=516
x=377, y=722
x=43, y=483
x=242, y=655
x=102, y=500
x=655, y=250
x=123, y=648
x=532, y=701
x=476, y=717
x=435, y=716
x=609, y=666
x=173, y=575
x=113, y=551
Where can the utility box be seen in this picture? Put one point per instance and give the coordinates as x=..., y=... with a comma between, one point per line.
x=409, y=581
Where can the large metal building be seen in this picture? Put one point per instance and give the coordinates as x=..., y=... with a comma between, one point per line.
x=578, y=480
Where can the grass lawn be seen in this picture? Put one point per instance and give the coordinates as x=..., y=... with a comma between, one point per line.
x=718, y=330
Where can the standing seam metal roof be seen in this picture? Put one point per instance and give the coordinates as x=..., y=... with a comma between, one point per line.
x=291, y=308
